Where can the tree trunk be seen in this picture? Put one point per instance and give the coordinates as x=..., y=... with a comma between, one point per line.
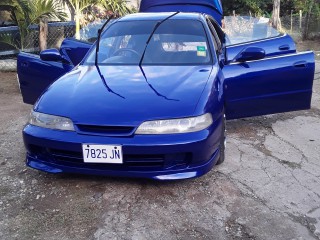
x=77, y=18
x=275, y=21
x=43, y=33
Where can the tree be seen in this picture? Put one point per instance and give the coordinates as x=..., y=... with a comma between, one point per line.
x=275, y=19
x=24, y=13
x=41, y=11
x=311, y=11
x=243, y=7
x=78, y=7
x=119, y=7
x=20, y=15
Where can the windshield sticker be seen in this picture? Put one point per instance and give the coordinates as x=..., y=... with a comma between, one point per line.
x=201, y=51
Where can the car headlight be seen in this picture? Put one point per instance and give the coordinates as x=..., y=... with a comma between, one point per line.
x=50, y=121
x=183, y=125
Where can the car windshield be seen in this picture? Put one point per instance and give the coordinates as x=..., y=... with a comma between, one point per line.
x=175, y=42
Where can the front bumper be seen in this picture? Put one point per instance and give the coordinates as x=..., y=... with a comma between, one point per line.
x=161, y=157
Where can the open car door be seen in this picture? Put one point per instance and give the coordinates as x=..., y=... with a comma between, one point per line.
x=263, y=76
x=275, y=45
x=256, y=84
x=36, y=75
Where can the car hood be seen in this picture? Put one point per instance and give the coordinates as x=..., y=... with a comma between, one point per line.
x=126, y=99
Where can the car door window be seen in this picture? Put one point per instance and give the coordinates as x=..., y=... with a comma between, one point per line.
x=241, y=29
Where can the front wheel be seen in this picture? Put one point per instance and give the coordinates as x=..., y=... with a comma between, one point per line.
x=222, y=146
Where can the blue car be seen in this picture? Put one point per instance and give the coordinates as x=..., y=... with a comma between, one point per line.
x=151, y=96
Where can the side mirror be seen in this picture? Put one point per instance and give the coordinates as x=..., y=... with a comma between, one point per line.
x=250, y=54
x=51, y=55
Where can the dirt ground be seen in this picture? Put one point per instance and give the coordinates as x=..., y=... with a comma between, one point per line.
x=313, y=45
x=268, y=187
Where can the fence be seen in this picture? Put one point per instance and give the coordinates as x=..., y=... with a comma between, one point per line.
x=299, y=26
x=11, y=45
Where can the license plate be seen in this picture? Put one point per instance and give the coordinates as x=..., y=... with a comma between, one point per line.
x=93, y=153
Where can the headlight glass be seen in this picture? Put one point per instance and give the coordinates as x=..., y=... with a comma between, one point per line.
x=50, y=121
x=183, y=125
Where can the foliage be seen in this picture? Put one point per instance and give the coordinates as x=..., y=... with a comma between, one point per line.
x=27, y=12
x=119, y=7
x=311, y=8
x=83, y=11
x=308, y=5
x=77, y=7
x=243, y=7
x=46, y=8
x=261, y=7
x=20, y=15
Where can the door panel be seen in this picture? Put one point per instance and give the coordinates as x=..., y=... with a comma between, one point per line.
x=74, y=50
x=280, y=45
x=272, y=85
x=36, y=75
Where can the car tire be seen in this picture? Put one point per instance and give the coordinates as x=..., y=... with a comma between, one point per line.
x=222, y=146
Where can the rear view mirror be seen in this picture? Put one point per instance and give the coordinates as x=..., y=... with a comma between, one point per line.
x=250, y=54
x=51, y=55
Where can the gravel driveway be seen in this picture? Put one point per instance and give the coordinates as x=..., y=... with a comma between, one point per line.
x=268, y=187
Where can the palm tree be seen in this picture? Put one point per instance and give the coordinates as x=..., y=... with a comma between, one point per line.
x=27, y=12
x=41, y=11
x=119, y=7
x=78, y=7
x=20, y=11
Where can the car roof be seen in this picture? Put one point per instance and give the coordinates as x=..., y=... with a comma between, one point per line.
x=160, y=16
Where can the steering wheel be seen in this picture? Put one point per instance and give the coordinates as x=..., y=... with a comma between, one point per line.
x=120, y=50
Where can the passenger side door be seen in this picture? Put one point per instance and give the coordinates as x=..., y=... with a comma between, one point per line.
x=264, y=76
x=36, y=75
x=270, y=85
x=277, y=45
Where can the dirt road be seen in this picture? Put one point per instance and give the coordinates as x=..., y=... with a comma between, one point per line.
x=268, y=187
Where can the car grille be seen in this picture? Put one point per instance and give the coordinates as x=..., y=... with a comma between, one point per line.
x=105, y=130
x=130, y=161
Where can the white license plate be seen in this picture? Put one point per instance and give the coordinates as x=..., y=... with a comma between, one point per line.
x=93, y=153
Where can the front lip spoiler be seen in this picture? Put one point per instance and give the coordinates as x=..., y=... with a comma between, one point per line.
x=187, y=173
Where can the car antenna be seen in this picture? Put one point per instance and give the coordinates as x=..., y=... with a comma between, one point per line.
x=144, y=52
x=98, y=39
x=96, y=57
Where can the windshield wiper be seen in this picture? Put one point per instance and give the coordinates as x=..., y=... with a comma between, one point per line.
x=144, y=52
x=96, y=58
x=105, y=83
x=153, y=31
x=98, y=39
